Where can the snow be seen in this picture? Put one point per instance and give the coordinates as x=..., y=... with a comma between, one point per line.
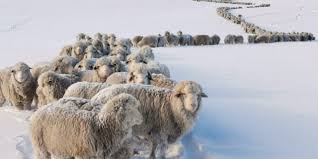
x=262, y=98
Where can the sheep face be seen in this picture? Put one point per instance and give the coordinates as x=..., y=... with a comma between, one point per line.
x=78, y=52
x=191, y=93
x=64, y=67
x=104, y=67
x=138, y=77
x=84, y=65
x=21, y=72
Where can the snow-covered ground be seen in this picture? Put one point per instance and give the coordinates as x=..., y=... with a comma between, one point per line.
x=262, y=98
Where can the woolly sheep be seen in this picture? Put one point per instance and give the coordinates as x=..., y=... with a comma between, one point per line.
x=85, y=64
x=147, y=53
x=126, y=43
x=158, y=68
x=66, y=50
x=111, y=39
x=262, y=38
x=92, y=52
x=103, y=68
x=40, y=68
x=64, y=64
x=215, y=39
x=119, y=52
x=98, y=36
x=168, y=114
x=135, y=40
x=84, y=90
x=151, y=41
x=202, y=40
x=80, y=36
x=185, y=39
x=117, y=78
x=17, y=86
x=161, y=41
x=71, y=128
x=251, y=39
x=78, y=50
x=98, y=45
x=229, y=39
x=171, y=39
x=239, y=39
x=52, y=86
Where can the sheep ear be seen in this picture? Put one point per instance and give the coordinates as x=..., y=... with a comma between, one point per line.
x=204, y=95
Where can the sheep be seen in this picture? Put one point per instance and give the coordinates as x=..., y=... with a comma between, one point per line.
x=66, y=50
x=185, y=39
x=251, y=39
x=40, y=68
x=125, y=43
x=84, y=90
x=229, y=39
x=64, y=64
x=71, y=128
x=80, y=36
x=52, y=86
x=239, y=39
x=171, y=39
x=152, y=66
x=78, y=50
x=98, y=36
x=119, y=52
x=92, y=52
x=85, y=64
x=147, y=53
x=264, y=38
x=17, y=86
x=103, y=68
x=111, y=39
x=151, y=41
x=168, y=114
x=202, y=40
x=135, y=40
x=158, y=68
x=215, y=39
x=98, y=45
x=161, y=41
x=117, y=78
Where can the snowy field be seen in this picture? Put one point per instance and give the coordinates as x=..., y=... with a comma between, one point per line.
x=262, y=98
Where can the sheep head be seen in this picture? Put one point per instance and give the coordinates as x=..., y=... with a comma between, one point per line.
x=138, y=73
x=21, y=72
x=124, y=108
x=191, y=93
x=85, y=65
x=78, y=50
x=104, y=67
x=64, y=64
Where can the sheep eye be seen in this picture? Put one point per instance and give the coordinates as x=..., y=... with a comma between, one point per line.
x=80, y=66
x=144, y=62
x=50, y=82
x=96, y=67
x=12, y=71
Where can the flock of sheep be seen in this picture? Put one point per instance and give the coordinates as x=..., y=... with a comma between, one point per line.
x=99, y=98
x=259, y=35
